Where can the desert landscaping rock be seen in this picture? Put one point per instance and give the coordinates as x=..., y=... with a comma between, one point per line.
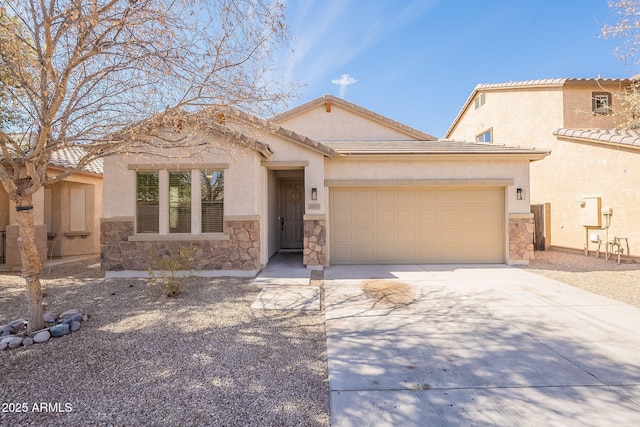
x=69, y=313
x=70, y=321
x=60, y=329
x=7, y=339
x=42, y=336
x=16, y=342
x=50, y=317
x=3, y=345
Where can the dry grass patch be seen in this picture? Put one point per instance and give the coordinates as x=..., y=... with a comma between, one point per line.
x=389, y=293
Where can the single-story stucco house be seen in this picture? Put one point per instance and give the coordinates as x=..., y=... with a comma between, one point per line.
x=335, y=181
x=66, y=214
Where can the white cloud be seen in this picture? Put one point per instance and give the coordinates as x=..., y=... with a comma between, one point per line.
x=344, y=81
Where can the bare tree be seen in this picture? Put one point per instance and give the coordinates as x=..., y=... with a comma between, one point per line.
x=97, y=74
x=627, y=31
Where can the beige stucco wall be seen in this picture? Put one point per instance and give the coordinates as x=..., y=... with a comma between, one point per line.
x=514, y=117
x=527, y=118
x=437, y=168
x=4, y=208
x=340, y=124
x=61, y=243
x=577, y=106
x=574, y=171
x=241, y=194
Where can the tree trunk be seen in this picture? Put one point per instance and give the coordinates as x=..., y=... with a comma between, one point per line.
x=31, y=263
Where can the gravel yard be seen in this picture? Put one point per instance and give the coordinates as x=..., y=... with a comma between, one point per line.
x=620, y=282
x=205, y=358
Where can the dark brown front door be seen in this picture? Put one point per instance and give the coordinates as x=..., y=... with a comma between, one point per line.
x=291, y=213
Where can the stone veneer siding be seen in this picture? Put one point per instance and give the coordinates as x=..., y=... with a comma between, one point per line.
x=314, y=250
x=521, y=238
x=240, y=252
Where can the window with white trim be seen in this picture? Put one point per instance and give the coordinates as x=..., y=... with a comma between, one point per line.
x=601, y=103
x=180, y=202
x=485, y=137
x=212, y=201
x=167, y=202
x=479, y=101
x=147, y=202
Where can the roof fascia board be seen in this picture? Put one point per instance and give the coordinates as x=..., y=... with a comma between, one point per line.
x=533, y=156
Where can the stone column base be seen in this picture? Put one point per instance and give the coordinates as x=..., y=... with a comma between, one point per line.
x=521, y=229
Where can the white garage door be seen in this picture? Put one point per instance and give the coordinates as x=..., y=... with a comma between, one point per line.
x=382, y=225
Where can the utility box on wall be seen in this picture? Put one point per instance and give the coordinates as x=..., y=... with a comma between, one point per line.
x=590, y=212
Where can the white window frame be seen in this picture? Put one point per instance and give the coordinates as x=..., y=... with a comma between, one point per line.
x=163, y=202
x=597, y=98
x=480, y=138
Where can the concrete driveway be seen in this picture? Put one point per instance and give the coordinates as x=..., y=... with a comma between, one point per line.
x=477, y=345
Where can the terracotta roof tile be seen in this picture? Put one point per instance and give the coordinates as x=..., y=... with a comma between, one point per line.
x=628, y=138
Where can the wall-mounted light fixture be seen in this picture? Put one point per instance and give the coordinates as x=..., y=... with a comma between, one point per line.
x=314, y=193
x=520, y=194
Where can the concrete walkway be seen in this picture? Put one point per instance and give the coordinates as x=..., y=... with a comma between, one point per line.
x=477, y=345
x=286, y=285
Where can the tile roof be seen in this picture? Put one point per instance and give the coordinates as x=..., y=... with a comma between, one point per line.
x=66, y=158
x=426, y=147
x=626, y=138
x=543, y=83
x=414, y=133
x=209, y=116
x=70, y=156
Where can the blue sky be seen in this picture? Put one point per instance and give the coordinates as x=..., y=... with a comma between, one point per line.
x=417, y=61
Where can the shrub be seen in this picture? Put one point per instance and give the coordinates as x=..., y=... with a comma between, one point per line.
x=171, y=271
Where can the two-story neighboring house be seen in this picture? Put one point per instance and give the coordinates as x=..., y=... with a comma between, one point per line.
x=591, y=166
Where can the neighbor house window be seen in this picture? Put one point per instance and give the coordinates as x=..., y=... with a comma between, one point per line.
x=601, y=103
x=147, y=202
x=212, y=201
x=179, y=202
x=485, y=137
x=77, y=209
x=479, y=101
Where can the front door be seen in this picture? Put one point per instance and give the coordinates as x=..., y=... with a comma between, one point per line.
x=291, y=214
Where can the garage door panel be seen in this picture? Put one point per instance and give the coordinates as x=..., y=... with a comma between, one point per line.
x=384, y=197
x=406, y=216
x=384, y=236
x=405, y=236
x=362, y=255
x=384, y=216
x=426, y=197
x=342, y=238
x=406, y=197
x=427, y=215
x=364, y=217
x=416, y=225
x=362, y=236
x=362, y=197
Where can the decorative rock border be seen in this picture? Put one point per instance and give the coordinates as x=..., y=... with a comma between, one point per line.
x=14, y=334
